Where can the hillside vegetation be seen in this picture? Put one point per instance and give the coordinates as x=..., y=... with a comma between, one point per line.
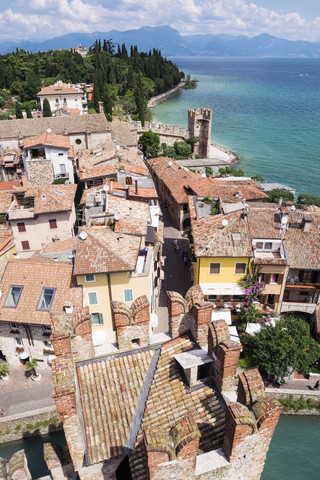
x=123, y=80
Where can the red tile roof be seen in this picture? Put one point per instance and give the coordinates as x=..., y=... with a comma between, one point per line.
x=49, y=198
x=34, y=274
x=175, y=178
x=60, y=89
x=228, y=190
x=106, y=251
x=48, y=140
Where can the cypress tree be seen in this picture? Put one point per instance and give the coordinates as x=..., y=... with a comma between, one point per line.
x=96, y=95
x=18, y=110
x=107, y=103
x=28, y=111
x=46, y=110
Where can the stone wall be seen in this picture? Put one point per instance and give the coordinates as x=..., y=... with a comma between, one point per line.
x=39, y=422
x=16, y=468
x=40, y=172
x=199, y=125
x=132, y=323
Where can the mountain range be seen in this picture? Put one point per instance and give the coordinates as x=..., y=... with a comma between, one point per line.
x=172, y=43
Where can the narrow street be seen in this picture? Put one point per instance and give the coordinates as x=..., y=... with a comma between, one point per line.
x=176, y=271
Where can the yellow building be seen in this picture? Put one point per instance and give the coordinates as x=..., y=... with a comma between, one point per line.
x=227, y=246
x=112, y=266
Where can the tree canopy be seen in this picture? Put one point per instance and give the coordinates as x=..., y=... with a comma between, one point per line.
x=287, y=344
x=138, y=75
x=46, y=108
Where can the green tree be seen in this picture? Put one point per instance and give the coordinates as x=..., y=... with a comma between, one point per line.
x=231, y=172
x=107, y=103
x=192, y=141
x=31, y=365
x=46, y=110
x=306, y=199
x=183, y=150
x=18, y=110
x=28, y=111
x=150, y=143
x=288, y=344
x=209, y=172
x=276, y=193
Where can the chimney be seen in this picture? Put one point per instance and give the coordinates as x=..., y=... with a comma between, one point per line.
x=306, y=225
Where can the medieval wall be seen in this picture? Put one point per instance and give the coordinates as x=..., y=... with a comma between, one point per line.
x=40, y=172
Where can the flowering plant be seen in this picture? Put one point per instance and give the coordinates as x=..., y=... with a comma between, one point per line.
x=19, y=349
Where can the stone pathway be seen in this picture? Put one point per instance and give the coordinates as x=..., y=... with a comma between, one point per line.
x=20, y=394
x=176, y=272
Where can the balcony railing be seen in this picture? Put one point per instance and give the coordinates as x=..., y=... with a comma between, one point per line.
x=304, y=285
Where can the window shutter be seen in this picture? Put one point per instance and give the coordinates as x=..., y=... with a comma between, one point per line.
x=100, y=319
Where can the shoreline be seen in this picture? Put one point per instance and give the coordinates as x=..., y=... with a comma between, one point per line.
x=157, y=98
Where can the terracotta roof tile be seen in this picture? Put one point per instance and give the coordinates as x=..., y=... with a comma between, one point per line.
x=109, y=393
x=59, y=89
x=304, y=247
x=34, y=274
x=49, y=140
x=106, y=251
x=49, y=198
x=176, y=178
x=228, y=190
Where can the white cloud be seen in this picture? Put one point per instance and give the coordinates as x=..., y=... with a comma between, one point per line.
x=49, y=18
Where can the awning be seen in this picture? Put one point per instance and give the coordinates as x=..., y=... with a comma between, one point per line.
x=221, y=289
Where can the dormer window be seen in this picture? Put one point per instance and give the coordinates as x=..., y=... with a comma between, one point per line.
x=13, y=296
x=196, y=366
x=46, y=299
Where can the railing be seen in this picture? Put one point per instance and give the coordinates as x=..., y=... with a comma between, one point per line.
x=302, y=284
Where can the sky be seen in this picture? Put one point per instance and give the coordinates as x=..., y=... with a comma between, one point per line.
x=42, y=19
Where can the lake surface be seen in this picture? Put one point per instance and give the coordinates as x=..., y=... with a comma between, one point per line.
x=294, y=450
x=33, y=447
x=265, y=110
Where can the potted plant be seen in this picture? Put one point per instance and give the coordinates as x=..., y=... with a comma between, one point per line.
x=4, y=371
x=31, y=365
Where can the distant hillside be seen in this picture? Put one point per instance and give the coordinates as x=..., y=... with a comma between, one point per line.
x=171, y=43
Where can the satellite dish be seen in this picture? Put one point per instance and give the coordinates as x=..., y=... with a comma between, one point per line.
x=170, y=164
x=49, y=130
x=106, y=188
x=116, y=216
x=83, y=235
x=224, y=222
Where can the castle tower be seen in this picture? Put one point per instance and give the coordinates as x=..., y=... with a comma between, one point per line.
x=199, y=125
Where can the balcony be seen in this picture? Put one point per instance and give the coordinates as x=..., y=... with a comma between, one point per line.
x=302, y=285
x=301, y=306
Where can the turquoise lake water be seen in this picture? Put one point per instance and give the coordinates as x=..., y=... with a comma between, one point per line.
x=265, y=110
x=268, y=112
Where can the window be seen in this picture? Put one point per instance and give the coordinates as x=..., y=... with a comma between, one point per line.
x=274, y=278
x=13, y=296
x=53, y=223
x=57, y=100
x=93, y=298
x=19, y=342
x=90, y=277
x=259, y=245
x=214, y=269
x=46, y=330
x=60, y=154
x=240, y=268
x=63, y=170
x=21, y=226
x=25, y=245
x=261, y=278
x=128, y=295
x=268, y=246
x=14, y=327
x=96, y=319
x=78, y=141
x=46, y=299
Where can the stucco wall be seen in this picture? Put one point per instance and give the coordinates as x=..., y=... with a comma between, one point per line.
x=38, y=232
x=8, y=344
x=227, y=270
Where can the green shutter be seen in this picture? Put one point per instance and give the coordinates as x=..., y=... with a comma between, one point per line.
x=100, y=319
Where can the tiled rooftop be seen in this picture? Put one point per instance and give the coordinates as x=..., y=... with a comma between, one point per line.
x=48, y=140
x=34, y=274
x=176, y=178
x=106, y=251
x=59, y=125
x=49, y=198
x=123, y=133
x=109, y=392
x=228, y=191
x=107, y=160
x=304, y=247
x=212, y=239
x=12, y=154
x=59, y=88
x=264, y=221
